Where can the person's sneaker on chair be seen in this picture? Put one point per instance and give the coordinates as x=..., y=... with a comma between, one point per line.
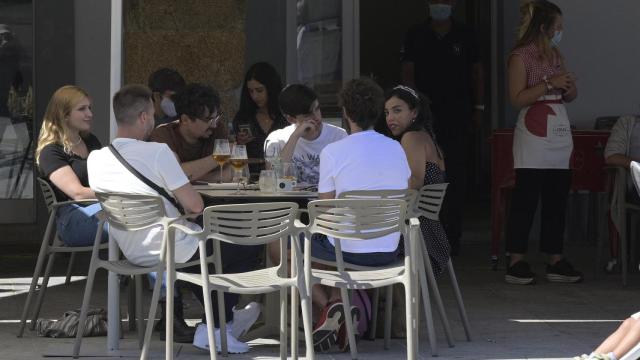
x=234, y=346
x=520, y=274
x=563, y=272
x=325, y=333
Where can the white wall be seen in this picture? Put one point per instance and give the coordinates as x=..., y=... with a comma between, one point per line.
x=601, y=44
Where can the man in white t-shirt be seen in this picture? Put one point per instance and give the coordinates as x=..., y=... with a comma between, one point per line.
x=134, y=113
x=303, y=140
x=365, y=160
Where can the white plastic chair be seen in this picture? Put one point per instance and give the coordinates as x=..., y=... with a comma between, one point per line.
x=428, y=204
x=410, y=197
x=252, y=224
x=130, y=212
x=362, y=220
x=51, y=245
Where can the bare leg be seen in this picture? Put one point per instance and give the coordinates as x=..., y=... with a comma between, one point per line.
x=617, y=338
x=630, y=340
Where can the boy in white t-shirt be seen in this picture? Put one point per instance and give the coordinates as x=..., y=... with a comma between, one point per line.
x=303, y=140
x=365, y=160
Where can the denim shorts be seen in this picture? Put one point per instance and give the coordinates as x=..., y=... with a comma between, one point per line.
x=322, y=249
x=77, y=225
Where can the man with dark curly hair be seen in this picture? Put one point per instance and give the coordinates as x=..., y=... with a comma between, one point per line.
x=191, y=137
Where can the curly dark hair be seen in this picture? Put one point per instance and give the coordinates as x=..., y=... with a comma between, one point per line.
x=363, y=102
x=266, y=75
x=195, y=99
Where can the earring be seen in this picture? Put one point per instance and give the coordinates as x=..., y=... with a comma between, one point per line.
x=413, y=120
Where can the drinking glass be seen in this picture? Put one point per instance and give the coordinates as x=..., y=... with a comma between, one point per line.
x=239, y=162
x=271, y=154
x=289, y=171
x=267, y=181
x=221, y=153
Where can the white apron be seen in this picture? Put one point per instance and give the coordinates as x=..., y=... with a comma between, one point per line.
x=542, y=137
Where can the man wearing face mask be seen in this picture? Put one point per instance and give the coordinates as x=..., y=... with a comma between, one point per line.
x=440, y=59
x=164, y=83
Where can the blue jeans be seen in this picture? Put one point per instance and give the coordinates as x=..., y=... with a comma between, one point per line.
x=322, y=249
x=77, y=225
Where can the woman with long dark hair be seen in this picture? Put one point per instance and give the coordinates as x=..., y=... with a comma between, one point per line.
x=539, y=85
x=259, y=113
x=410, y=121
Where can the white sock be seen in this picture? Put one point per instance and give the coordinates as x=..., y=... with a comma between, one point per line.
x=612, y=356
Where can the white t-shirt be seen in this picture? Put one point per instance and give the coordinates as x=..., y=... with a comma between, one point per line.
x=365, y=160
x=158, y=163
x=306, y=154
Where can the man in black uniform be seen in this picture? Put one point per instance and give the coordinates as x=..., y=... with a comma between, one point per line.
x=441, y=60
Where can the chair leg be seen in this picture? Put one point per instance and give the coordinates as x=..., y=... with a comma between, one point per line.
x=410, y=318
x=305, y=303
x=72, y=260
x=294, y=325
x=152, y=315
x=131, y=304
x=431, y=279
x=208, y=306
x=373, y=326
x=426, y=302
x=283, y=324
x=44, y=248
x=388, y=305
x=223, y=323
x=43, y=290
x=348, y=320
x=458, y=294
x=83, y=310
x=138, y=312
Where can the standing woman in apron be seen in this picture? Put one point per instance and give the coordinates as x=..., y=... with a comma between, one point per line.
x=539, y=85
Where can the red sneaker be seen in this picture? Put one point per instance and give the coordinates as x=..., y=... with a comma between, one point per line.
x=325, y=333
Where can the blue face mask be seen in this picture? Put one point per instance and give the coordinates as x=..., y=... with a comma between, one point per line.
x=440, y=11
x=557, y=36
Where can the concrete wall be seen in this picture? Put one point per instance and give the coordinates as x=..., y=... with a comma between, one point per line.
x=92, y=36
x=203, y=39
x=265, y=29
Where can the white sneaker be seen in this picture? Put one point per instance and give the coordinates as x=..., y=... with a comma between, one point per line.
x=244, y=318
x=234, y=346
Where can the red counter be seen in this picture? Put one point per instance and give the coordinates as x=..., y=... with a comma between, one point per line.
x=587, y=163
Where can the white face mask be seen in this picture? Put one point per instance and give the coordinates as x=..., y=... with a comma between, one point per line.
x=557, y=37
x=168, y=107
x=440, y=11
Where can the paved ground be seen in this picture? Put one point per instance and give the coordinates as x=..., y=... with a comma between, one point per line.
x=544, y=321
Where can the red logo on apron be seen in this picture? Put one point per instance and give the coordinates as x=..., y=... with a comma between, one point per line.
x=536, y=119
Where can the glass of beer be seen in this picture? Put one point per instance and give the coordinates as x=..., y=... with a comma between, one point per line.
x=221, y=153
x=239, y=161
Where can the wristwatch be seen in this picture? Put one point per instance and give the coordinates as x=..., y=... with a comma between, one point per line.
x=547, y=83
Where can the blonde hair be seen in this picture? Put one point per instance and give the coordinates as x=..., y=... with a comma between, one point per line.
x=535, y=14
x=54, y=126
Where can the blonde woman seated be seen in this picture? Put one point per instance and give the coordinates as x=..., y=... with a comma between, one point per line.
x=63, y=147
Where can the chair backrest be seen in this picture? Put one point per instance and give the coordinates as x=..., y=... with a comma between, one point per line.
x=429, y=201
x=605, y=122
x=250, y=224
x=131, y=211
x=357, y=219
x=408, y=195
x=47, y=193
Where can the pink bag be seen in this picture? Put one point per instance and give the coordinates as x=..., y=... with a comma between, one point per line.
x=360, y=298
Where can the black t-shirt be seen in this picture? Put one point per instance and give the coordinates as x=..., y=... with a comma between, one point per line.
x=255, y=148
x=443, y=66
x=53, y=157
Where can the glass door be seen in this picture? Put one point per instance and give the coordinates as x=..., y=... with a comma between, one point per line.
x=322, y=47
x=16, y=109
